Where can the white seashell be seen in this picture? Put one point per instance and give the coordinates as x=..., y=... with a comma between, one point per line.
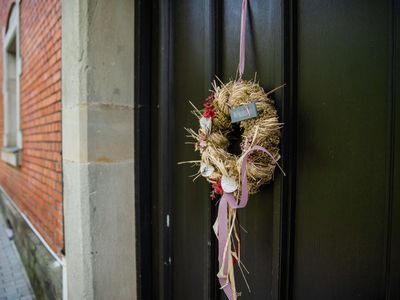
x=206, y=170
x=206, y=123
x=228, y=184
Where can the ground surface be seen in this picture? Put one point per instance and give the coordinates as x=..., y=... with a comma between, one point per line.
x=13, y=279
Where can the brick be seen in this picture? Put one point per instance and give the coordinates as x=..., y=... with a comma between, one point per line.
x=36, y=187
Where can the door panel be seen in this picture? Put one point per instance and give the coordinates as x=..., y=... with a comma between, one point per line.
x=343, y=158
x=191, y=215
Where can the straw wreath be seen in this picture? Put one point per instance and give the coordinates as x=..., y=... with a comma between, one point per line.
x=213, y=137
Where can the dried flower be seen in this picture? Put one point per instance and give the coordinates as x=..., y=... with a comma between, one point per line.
x=202, y=144
x=217, y=189
x=209, y=108
x=210, y=98
x=209, y=113
x=201, y=140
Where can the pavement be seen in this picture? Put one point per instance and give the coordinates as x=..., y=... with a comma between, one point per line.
x=14, y=284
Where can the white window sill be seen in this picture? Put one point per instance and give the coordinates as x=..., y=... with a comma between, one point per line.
x=11, y=155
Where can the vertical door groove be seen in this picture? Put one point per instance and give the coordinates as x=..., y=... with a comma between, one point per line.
x=288, y=199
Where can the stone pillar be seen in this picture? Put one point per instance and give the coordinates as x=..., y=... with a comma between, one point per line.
x=97, y=121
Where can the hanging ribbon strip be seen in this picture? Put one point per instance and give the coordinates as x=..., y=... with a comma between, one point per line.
x=242, y=39
x=225, y=225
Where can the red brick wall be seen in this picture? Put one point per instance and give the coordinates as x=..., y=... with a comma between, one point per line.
x=36, y=187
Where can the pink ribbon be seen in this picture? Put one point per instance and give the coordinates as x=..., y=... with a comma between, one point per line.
x=242, y=39
x=229, y=199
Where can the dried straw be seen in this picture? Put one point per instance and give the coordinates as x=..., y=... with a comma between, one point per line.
x=263, y=131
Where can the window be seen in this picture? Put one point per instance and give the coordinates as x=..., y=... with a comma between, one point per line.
x=12, y=139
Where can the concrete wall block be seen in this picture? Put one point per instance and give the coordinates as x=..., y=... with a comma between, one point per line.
x=74, y=54
x=110, y=49
x=74, y=134
x=113, y=230
x=110, y=133
x=77, y=231
x=107, y=130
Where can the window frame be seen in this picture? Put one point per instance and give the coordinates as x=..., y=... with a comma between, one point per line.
x=11, y=34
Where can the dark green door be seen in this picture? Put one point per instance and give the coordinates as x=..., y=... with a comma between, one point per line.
x=345, y=150
x=328, y=230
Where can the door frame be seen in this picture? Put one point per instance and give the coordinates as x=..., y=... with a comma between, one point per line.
x=142, y=145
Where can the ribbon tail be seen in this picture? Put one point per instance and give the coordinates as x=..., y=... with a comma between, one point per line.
x=225, y=225
x=224, y=247
x=228, y=285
